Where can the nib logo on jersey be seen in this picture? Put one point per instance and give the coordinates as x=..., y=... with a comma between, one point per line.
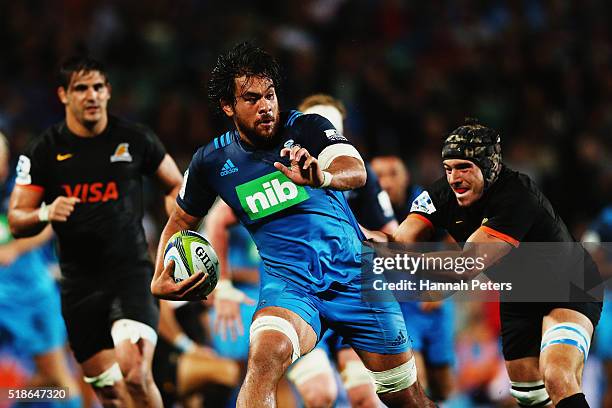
x=269, y=194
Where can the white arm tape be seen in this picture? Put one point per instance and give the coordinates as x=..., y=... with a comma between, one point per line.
x=327, y=179
x=43, y=213
x=226, y=291
x=184, y=343
x=327, y=155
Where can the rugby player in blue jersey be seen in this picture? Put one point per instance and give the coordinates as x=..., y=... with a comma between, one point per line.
x=31, y=321
x=281, y=173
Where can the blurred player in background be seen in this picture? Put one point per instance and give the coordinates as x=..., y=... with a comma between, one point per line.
x=482, y=201
x=430, y=324
x=185, y=370
x=370, y=203
x=281, y=173
x=84, y=176
x=235, y=300
x=30, y=313
x=600, y=231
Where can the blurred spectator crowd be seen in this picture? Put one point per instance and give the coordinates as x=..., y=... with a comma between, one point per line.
x=408, y=71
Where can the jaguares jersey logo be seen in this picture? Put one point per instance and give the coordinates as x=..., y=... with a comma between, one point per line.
x=121, y=154
x=423, y=204
x=93, y=192
x=269, y=194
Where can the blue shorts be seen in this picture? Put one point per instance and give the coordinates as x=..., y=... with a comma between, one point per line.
x=331, y=342
x=34, y=327
x=237, y=349
x=432, y=333
x=603, y=332
x=377, y=327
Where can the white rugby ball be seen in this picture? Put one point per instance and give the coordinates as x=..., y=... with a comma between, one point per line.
x=191, y=252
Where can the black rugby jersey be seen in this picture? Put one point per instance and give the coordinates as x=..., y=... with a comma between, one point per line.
x=104, y=233
x=514, y=210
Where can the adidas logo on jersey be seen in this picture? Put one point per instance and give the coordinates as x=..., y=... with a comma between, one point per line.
x=228, y=168
x=269, y=194
x=401, y=339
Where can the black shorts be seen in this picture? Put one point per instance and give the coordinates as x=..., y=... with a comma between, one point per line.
x=521, y=324
x=90, y=310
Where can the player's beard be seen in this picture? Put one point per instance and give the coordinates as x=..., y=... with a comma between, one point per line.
x=256, y=138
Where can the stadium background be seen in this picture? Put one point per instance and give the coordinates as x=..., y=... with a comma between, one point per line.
x=408, y=71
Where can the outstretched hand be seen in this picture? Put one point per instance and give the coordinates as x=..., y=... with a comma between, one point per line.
x=304, y=169
x=163, y=285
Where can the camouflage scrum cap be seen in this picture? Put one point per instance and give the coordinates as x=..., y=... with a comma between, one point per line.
x=478, y=144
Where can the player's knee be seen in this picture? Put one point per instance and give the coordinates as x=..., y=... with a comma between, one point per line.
x=137, y=380
x=363, y=396
x=272, y=347
x=560, y=382
x=530, y=394
x=561, y=369
x=109, y=397
x=395, y=379
x=273, y=341
x=319, y=392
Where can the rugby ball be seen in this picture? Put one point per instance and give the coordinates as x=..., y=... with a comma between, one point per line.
x=191, y=252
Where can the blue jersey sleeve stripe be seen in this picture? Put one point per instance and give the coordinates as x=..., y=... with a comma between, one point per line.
x=293, y=118
x=222, y=140
x=216, y=142
x=228, y=139
x=291, y=115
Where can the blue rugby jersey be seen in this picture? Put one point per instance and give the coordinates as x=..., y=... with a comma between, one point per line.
x=305, y=235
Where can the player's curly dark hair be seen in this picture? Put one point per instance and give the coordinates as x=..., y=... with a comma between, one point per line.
x=244, y=59
x=78, y=63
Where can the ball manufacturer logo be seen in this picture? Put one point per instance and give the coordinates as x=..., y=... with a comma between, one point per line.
x=208, y=263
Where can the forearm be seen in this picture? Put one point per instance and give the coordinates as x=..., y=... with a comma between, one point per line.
x=170, y=199
x=23, y=245
x=348, y=173
x=25, y=222
x=219, y=239
x=170, y=330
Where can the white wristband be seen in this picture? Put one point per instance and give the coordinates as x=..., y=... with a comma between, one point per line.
x=225, y=290
x=327, y=179
x=43, y=213
x=184, y=343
